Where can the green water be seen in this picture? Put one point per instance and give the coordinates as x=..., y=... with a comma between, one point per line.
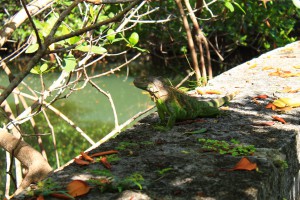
x=87, y=108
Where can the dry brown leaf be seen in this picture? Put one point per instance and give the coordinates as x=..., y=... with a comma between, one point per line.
x=212, y=92
x=276, y=73
x=81, y=162
x=104, y=153
x=267, y=68
x=263, y=123
x=77, y=188
x=268, y=23
x=262, y=96
x=253, y=66
x=104, y=161
x=60, y=196
x=40, y=197
x=276, y=118
x=86, y=157
x=271, y=106
x=200, y=91
x=287, y=102
x=245, y=164
x=284, y=109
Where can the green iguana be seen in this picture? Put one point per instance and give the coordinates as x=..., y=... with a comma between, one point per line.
x=175, y=105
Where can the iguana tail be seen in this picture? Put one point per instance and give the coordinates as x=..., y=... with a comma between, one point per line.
x=223, y=100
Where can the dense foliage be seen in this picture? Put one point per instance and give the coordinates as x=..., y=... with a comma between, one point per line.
x=233, y=27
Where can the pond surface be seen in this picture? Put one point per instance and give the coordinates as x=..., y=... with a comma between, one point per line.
x=87, y=108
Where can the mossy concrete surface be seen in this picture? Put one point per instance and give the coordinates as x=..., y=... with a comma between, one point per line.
x=174, y=164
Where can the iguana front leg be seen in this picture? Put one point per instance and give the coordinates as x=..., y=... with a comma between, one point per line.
x=163, y=113
x=161, y=110
x=171, y=121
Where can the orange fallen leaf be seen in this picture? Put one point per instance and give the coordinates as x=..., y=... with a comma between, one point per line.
x=104, y=161
x=200, y=91
x=268, y=23
x=263, y=123
x=212, y=92
x=267, y=68
x=86, y=156
x=271, y=106
x=294, y=91
x=77, y=188
x=276, y=73
x=60, y=196
x=40, y=197
x=262, y=96
x=104, y=153
x=284, y=109
x=253, y=66
x=276, y=118
x=244, y=164
x=81, y=162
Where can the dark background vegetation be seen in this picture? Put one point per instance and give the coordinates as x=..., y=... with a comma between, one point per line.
x=236, y=35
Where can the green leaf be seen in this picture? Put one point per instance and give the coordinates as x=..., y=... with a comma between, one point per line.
x=44, y=67
x=35, y=70
x=73, y=40
x=238, y=5
x=202, y=130
x=111, y=35
x=92, y=13
x=141, y=50
x=133, y=39
x=183, y=49
x=229, y=6
x=117, y=40
x=32, y=48
x=93, y=49
x=98, y=50
x=69, y=63
x=111, y=15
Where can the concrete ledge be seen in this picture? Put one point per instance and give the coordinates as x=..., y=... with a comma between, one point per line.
x=197, y=174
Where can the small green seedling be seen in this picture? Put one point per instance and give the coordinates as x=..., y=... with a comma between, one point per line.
x=202, y=130
x=48, y=187
x=125, y=145
x=164, y=171
x=222, y=147
x=110, y=183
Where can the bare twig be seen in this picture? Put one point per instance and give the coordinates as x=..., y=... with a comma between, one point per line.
x=57, y=112
x=94, y=26
x=200, y=38
x=32, y=23
x=34, y=7
x=190, y=41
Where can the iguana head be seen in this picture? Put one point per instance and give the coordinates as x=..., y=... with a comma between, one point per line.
x=154, y=85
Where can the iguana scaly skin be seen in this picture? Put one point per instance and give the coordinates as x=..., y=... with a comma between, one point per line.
x=174, y=105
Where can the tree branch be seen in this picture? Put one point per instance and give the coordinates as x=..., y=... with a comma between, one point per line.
x=34, y=7
x=95, y=26
x=32, y=23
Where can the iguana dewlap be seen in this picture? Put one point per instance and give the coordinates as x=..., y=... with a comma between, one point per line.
x=174, y=105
